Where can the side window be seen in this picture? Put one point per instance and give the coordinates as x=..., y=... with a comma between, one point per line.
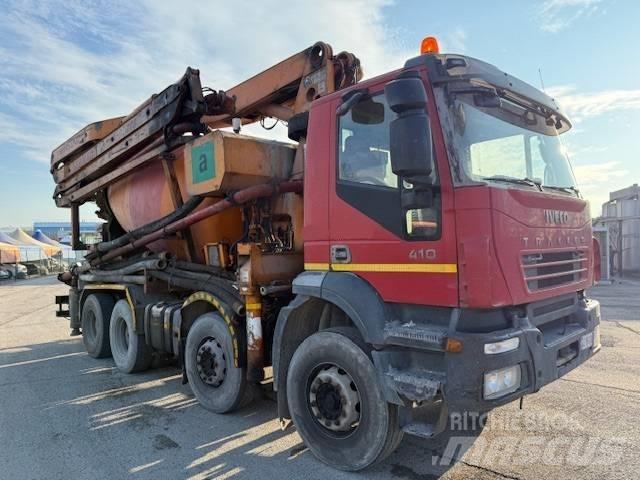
x=363, y=156
x=366, y=180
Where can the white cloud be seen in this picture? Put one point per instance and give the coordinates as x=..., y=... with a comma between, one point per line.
x=557, y=15
x=581, y=105
x=592, y=177
x=65, y=64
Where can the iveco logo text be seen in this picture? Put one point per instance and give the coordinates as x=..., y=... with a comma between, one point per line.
x=556, y=216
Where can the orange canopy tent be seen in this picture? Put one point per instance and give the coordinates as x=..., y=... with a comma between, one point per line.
x=9, y=253
x=22, y=237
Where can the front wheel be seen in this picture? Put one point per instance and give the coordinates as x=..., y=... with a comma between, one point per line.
x=218, y=385
x=337, y=405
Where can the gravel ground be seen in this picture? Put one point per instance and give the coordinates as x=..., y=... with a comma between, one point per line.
x=65, y=415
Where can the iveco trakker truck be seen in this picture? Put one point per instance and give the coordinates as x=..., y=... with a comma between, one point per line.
x=418, y=249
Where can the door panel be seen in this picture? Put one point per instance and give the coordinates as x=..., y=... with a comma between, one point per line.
x=366, y=217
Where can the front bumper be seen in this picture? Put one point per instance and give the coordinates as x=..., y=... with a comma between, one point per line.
x=550, y=346
x=548, y=350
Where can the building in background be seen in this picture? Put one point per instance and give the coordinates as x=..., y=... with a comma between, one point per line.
x=619, y=231
x=61, y=231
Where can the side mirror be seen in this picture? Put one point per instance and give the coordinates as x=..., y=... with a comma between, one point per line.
x=410, y=133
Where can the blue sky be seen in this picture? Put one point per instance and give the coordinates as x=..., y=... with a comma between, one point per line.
x=64, y=64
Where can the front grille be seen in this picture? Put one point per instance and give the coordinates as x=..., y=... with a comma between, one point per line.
x=551, y=269
x=552, y=307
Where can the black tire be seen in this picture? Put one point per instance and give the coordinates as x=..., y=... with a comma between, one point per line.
x=228, y=389
x=130, y=352
x=96, y=314
x=376, y=433
x=395, y=433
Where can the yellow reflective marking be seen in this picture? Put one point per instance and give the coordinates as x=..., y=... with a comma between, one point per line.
x=385, y=267
x=316, y=266
x=115, y=286
x=253, y=306
x=396, y=267
x=209, y=298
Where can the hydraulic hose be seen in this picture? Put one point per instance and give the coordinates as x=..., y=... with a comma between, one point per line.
x=90, y=277
x=205, y=279
x=177, y=214
x=235, y=199
x=172, y=280
x=198, y=267
x=153, y=264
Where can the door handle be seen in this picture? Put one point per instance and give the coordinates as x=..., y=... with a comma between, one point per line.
x=340, y=254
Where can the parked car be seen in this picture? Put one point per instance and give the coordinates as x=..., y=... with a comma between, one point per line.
x=5, y=275
x=39, y=268
x=19, y=270
x=55, y=265
x=32, y=269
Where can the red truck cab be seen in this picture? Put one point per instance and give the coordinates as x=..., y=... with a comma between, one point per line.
x=442, y=216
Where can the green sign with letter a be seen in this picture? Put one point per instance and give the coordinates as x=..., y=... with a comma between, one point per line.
x=203, y=163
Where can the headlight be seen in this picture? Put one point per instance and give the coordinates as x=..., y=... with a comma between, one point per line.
x=498, y=383
x=501, y=347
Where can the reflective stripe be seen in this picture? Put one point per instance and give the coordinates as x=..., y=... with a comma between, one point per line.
x=209, y=298
x=115, y=286
x=385, y=267
x=316, y=266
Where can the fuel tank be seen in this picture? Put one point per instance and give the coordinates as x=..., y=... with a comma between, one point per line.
x=211, y=166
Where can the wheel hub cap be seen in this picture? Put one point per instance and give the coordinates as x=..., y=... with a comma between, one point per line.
x=334, y=399
x=211, y=362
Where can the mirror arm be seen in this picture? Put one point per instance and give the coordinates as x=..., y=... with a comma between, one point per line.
x=349, y=100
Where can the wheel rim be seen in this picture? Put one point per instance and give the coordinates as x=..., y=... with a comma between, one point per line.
x=334, y=400
x=211, y=362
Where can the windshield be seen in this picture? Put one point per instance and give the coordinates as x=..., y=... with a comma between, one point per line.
x=505, y=144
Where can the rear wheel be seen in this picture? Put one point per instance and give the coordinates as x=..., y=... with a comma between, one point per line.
x=336, y=403
x=130, y=352
x=218, y=385
x=96, y=313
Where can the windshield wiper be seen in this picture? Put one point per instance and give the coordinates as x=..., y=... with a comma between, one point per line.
x=519, y=181
x=564, y=189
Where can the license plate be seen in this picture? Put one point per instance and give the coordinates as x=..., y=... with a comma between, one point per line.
x=586, y=341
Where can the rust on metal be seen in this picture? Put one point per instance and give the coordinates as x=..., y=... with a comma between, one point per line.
x=240, y=197
x=176, y=198
x=255, y=341
x=86, y=137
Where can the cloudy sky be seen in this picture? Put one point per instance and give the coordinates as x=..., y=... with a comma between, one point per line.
x=64, y=64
